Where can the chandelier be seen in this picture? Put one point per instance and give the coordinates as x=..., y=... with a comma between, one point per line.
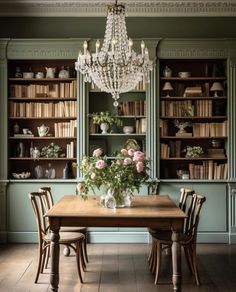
x=115, y=67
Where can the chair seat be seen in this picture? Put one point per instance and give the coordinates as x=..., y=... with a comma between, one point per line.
x=73, y=229
x=65, y=237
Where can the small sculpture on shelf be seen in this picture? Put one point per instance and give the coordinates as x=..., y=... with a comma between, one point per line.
x=38, y=171
x=18, y=73
x=50, y=72
x=16, y=128
x=182, y=125
x=50, y=172
x=167, y=72
x=63, y=73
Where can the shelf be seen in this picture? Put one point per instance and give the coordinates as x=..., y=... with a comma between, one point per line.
x=193, y=98
x=38, y=80
x=42, y=118
x=200, y=78
x=193, y=158
x=41, y=138
x=194, y=118
x=117, y=134
x=131, y=117
x=41, y=158
x=35, y=99
x=193, y=137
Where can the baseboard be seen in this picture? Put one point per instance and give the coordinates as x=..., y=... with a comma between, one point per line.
x=121, y=237
x=3, y=237
x=232, y=238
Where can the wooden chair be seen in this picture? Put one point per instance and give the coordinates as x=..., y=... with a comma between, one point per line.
x=187, y=238
x=185, y=199
x=41, y=202
x=69, y=229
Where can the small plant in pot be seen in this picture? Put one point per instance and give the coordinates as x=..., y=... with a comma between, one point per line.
x=194, y=151
x=52, y=151
x=105, y=120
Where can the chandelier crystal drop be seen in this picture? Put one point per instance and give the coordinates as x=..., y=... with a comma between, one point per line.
x=115, y=67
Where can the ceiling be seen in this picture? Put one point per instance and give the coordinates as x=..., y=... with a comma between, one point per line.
x=134, y=8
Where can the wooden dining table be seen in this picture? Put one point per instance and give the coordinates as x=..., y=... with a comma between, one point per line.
x=154, y=211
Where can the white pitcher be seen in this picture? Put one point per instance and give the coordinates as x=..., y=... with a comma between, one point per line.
x=43, y=130
x=50, y=72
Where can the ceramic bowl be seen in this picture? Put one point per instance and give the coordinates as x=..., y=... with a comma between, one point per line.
x=184, y=74
x=21, y=175
x=128, y=129
x=28, y=74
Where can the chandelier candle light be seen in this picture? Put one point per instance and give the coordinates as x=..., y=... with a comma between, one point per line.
x=115, y=67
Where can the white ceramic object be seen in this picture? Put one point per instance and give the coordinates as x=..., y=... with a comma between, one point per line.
x=21, y=175
x=50, y=72
x=39, y=75
x=184, y=74
x=28, y=74
x=128, y=129
x=43, y=130
x=104, y=127
x=63, y=73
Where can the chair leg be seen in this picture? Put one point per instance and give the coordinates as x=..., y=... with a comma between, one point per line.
x=47, y=256
x=43, y=259
x=85, y=248
x=83, y=260
x=158, y=260
x=78, y=250
x=40, y=251
x=194, y=257
x=154, y=257
x=188, y=259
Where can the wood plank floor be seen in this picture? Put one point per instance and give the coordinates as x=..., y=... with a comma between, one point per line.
x=117, y=268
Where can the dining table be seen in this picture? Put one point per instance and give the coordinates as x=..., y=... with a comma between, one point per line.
x=151, y=211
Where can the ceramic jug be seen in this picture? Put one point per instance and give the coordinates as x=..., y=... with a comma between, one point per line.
x=43, y=130
x=38, y=171
x=50, y=72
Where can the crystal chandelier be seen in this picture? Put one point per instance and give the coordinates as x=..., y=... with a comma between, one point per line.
x=115, y=67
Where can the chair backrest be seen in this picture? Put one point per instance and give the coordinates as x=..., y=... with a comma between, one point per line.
x=186, y=196
x=40, y=205
x=193, y=213
x=49, y=195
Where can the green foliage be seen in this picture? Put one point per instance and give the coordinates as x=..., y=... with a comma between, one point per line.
x=52, y=150
x=194, y=151
x=126, y=172
x=106, y=117
x=182, y=123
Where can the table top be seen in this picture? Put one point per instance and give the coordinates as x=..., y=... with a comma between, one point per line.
x=145, y=211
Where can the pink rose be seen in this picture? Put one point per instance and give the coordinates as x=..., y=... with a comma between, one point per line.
x=93, y=176
x=140, y=167
x=127, y=161
x=131, y=152
x=124, y=152
x=100, y=164
x=138, y=156
x=97, y=152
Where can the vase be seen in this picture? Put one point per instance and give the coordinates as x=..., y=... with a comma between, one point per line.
x=104, y=127
x=181, y=129
x=116, y=198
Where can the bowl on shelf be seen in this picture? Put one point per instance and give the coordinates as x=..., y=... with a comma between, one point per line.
x=28, y=74
x=128, y=129
x=184, y=74
x=21, y=175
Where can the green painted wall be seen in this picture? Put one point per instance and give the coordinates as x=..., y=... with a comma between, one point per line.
x=93, y=27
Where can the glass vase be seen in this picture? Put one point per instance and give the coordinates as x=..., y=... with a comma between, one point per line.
x=116, y=198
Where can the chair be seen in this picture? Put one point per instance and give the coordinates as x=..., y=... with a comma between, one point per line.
x=69, y=229
x=185, y=199
x=187, y=238
x=41, y=202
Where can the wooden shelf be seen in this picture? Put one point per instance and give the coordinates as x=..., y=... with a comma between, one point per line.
x=35, y=99
x=38, y=80
x=41, y=138
x=200, y=78
x=117, y=134
x=193, y=158
x=193, y=137
x=42, y=118
x=42, y=158
x=193, y=98
x=194, y=118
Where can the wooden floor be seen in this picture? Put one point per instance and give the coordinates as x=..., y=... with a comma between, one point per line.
x=117, y=267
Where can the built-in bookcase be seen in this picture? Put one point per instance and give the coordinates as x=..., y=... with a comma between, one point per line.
x=193, y=96
x=33, y=102
x=131, y=111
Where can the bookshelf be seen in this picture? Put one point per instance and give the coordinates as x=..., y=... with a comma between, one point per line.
x=35, y=104
x=131, y=111
x=193, y=115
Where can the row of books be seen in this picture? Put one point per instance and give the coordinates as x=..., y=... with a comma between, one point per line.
x=200, y=108
x=65, y=129
x=210, y=129
x=132, y=108
x=208, y=170
x=62, y=90
x=37, y=109
x=70, y=150
x=165, y=151
x=140, y=126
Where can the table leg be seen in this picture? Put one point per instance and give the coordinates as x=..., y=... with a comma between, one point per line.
x=176, y=261
x=55, y=251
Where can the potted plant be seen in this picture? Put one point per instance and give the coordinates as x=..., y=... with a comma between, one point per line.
x=105, y=120
x=52, y=150
x=194, y=151
x=182, y=125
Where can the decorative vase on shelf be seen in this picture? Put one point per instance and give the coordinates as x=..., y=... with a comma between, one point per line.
x=181, y=128
x=104, y=127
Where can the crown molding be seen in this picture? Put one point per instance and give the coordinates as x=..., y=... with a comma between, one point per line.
x=134, y=8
